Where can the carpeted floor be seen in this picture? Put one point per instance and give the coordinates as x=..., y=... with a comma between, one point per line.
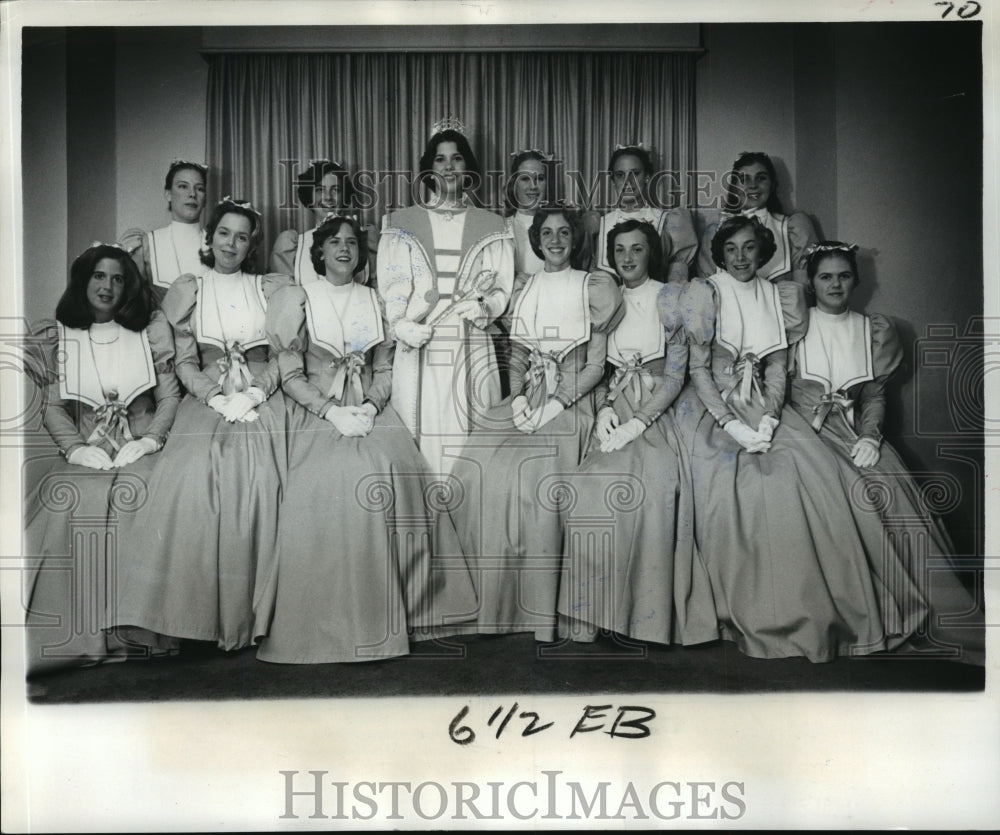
x=507, y=664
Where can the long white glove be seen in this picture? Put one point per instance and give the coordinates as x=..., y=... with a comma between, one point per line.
x=607, y=422
x=134, y=450
x=90, y=456
x=745, y=436
x=351, y=421
x=767, y=426
x=866, y=452
x=413, y=334
x=624, y=435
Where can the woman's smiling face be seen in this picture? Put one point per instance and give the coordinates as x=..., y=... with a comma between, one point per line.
x=556, y=242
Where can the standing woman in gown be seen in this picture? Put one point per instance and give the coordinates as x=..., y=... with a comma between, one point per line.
x=358, y=539
x=107, y=366
x=322, y=188
x=509, y=523
x=643, y=578
x=841, y=370
x=631, y=168
x=205, y=542
x=753, y=192
x=445, y=271
x=174, y=250
x=773, y=521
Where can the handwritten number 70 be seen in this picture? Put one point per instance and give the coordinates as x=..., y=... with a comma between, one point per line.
x=965, y=11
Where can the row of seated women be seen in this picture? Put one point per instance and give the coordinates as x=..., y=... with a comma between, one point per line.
x=343, y=473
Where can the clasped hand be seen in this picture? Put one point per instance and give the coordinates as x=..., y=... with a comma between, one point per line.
x=352, y=421
x=96, y=458
x=238, y=406
x=530, y=420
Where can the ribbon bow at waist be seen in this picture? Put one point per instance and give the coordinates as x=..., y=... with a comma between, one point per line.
x=827, y=403
x=111, y=416
x=234, y=372
x=633, y=379
x=542, y=377
x=347, y=376
x=747, y=369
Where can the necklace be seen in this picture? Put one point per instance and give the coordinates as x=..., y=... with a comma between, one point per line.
x=90, y=333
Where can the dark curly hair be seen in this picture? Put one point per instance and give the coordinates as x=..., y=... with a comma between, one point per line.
x=136, y=306
x=652, y=238
x=220, y=210
x=313, y=176
x=735, y=192
x=472, y=169
x=575, y=219
x=327, y=229
x=730, y=226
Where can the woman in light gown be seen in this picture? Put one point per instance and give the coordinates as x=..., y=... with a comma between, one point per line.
x=842, y=366
x=513, y=475
x=753, y=192
x=368, y=550
x=175, y=250
x=205, y=542
x=631, y=169
x=107, y=369
x=323, y=188
x=445, y=271
x=773, y=521
x=632, y=565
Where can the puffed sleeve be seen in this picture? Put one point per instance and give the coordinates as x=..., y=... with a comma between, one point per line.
x=668, y=304
x=269, y=379
x=289, y=339
x=403, y=276
x=592, y=231
x=381, y=386
x=801, y=236
x=58, y=418
x=498, y=257
x=796, y=316
x=606, y=311
x=136, y=244
x=887, y=354
x=372, y=270
x=167, y=392
x=283, y=253
x=683, y=244
x=698, y=319
x=520, y=356
x=179, y=306
x=705, y=265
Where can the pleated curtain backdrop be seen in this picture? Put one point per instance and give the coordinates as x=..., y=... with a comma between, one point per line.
x=374, y=112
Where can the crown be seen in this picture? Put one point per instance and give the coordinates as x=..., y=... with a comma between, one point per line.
x=542, y=154
x=448, y=123
x=639, y=145
x=815, y=249
x=199, y=165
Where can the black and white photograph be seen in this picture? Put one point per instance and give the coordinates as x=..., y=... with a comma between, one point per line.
x=441, y=414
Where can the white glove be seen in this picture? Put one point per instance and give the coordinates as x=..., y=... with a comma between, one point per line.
x=624, y=435
x=521, y=413
x=238, y=404
x=472, y=312
x=90, y=456
x=767, y=426
x=413, y=334
x=134, y=450
x=748, y=439
x=607, y=421
x=218, y=402
x=350, y=421
x=866, y=452
x=549, y=411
